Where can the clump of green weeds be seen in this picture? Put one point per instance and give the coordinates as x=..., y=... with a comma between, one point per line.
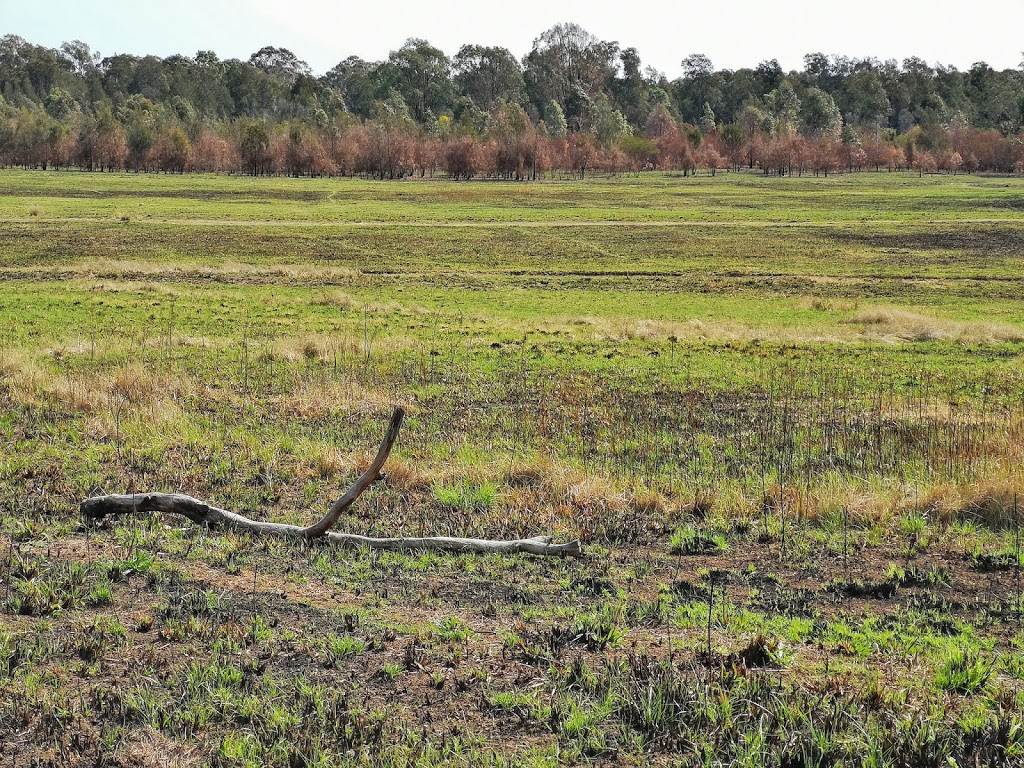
x=963, y=670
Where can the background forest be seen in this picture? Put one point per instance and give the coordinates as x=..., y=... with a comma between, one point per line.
x=573, y=103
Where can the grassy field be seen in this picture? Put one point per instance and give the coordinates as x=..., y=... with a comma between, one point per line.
x=785, y=416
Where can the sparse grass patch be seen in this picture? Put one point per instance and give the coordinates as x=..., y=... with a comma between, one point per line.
x=689, y=541
x=466, y=497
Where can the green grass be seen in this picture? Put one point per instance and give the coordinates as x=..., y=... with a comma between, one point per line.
x=649, y=198
x=963, y=671
x=807, y=393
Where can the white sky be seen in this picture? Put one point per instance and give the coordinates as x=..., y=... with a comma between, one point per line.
x=734, y=33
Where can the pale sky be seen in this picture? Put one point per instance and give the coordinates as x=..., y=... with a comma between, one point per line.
x=734, y=33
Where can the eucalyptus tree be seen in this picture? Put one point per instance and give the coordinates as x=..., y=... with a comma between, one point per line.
x=819, y=115
x=490, y=76
x=422, y=74
x=699, y=85
x=279, y=63
x=357, y=81
x=565, y=63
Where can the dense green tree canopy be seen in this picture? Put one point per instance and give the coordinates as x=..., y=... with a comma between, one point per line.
x=566, y=64
x=573, y=100
x=489, y=76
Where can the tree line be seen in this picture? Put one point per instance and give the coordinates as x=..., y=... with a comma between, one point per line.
x=572, y=104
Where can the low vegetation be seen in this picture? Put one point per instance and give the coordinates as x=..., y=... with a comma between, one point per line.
x=785, y=417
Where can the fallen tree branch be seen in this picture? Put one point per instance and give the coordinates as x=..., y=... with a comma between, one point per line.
x=200, y=512
x=204, y=514
x=365, y=480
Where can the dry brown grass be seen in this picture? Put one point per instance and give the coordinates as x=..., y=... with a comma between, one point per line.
x=793, y=501
x=879, y=323
x=335, y=298
x=343, y=350
x=129, y=398
x=701, y=503
x=644, y=329
x=528, y=475
x=306, y=274
x=405, y=476
x=901, y=324
x=293, y=349
x=326, y=462
x=148, y=748
x=32, y=383
x=318, y=399
x=588, y=506
x=135, y=385
x=819, y=304
x=993, y=503
x=650, y=502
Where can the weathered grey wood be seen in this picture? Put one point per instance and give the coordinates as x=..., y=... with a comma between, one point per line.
x=195, y=510
x=365, y=480
x=202, y=513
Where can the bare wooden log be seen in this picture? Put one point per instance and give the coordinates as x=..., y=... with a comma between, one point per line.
x=365, y=480
x=205, y=514
x=200, y=512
